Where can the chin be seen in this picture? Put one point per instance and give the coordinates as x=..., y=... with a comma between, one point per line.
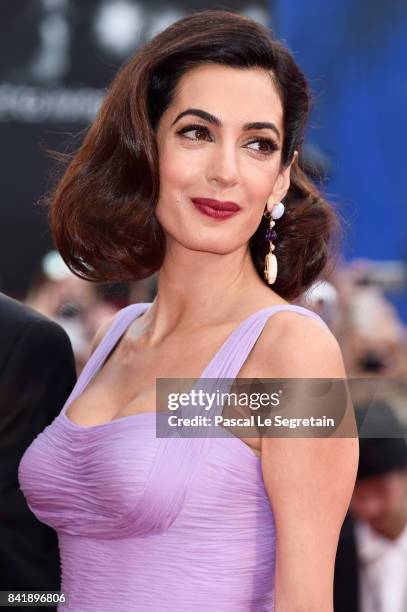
x=212, y=246
x=208, y=243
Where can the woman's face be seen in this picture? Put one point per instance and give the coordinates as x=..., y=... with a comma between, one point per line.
x=209, y=149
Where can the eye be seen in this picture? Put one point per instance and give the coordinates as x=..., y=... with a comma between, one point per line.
x=269, y=145
x=199, y=129
x=202, y=133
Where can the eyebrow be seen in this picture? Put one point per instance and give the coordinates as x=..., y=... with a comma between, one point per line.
x=256, y=125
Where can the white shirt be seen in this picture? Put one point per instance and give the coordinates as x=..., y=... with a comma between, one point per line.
x=383, y=570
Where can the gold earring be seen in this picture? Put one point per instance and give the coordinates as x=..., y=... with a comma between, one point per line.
x=273, y=211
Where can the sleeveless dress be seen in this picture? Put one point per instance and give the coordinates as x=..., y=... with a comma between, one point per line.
x=152, y=524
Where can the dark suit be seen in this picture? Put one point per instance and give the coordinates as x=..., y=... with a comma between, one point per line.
x=346, y=582
x=37, y=373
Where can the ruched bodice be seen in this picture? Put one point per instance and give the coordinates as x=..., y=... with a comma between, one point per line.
x=156, y=524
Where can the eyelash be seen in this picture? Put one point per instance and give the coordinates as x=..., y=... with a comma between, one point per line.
x=195, y=127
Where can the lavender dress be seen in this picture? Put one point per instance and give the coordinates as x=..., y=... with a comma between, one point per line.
x=156, y=524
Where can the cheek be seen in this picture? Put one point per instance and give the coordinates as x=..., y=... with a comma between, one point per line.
x=176, y=170
x=176, y=184
x=259, y=183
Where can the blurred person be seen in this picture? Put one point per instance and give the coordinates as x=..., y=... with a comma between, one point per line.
x=72, y=302
x=322, y=297
x=372, y=335
x=183, y=175
x=37, y=373
x=371, y=564
x=375, y=341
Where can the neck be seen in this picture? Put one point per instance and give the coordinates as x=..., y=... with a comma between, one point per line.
x=196, y=289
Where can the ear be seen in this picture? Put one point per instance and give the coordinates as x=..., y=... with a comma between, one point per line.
x=282, y=183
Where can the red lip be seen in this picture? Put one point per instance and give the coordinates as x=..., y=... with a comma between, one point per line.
x=216, y=204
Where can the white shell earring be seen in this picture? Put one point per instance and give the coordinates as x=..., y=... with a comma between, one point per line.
x=274, y=211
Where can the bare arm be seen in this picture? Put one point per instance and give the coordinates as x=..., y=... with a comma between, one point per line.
x=309, y=480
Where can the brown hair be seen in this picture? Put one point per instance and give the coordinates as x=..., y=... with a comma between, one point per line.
x=102, y=211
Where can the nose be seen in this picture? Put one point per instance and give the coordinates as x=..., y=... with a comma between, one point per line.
x=224, y=166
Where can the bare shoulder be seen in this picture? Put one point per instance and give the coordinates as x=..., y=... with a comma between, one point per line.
x=296, y=345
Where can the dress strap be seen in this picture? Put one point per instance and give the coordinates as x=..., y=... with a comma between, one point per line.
x=121, y=321
x=236, y=349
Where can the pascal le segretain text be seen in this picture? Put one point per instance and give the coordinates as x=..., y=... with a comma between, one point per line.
x=254, y=420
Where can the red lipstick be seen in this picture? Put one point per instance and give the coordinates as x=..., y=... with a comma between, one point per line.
x=215, y=208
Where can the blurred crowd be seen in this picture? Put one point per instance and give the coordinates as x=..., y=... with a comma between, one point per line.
x=79, y=306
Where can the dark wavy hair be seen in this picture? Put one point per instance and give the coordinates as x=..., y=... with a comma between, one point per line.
x=102, y=209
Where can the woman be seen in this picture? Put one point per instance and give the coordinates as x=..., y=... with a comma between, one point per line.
x=192, y=152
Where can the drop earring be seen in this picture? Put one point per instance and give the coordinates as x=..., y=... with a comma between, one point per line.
x=272, y=212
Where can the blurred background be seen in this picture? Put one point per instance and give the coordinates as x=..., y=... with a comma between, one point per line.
x=58, y=56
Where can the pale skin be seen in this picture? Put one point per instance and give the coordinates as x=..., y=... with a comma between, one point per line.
x=206, y=287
